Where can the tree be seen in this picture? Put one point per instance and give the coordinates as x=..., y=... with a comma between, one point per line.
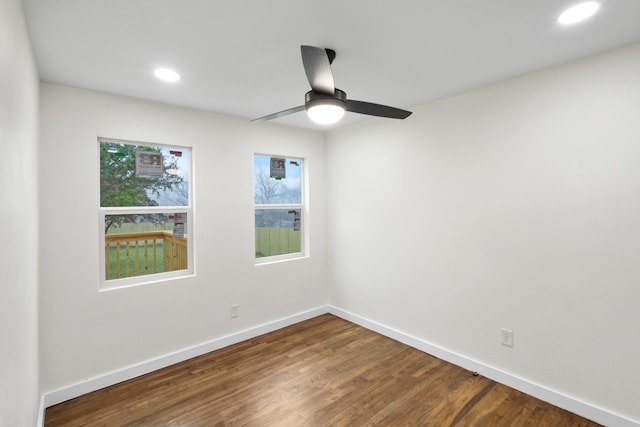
x=119, y=187
x=179, y=194
x=266, y=189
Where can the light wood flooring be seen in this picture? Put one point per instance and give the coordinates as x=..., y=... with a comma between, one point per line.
x=320, y=372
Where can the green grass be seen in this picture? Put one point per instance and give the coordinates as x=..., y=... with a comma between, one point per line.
x=132, y=259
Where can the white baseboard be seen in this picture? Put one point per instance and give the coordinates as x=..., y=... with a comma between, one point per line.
x=560, y=400
x=41, y=408
x=569, y=403
x=61, y=395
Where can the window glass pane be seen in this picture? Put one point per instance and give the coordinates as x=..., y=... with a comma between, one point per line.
x=139, y=175
x=139, y=244
x=277, y=232
x=277, y=180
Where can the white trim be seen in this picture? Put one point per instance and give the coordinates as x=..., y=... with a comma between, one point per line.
x=41, y=409
x=63, y=394
x=553, y=397
x=275, y=259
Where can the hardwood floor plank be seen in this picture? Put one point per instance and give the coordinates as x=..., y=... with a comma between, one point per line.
x=321, y=372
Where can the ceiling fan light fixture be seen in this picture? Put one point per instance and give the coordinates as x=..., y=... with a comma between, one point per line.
x=325, y=109
x=325, y=113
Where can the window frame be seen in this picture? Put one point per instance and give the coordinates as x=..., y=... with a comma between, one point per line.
x=104, y=211
x=302, y=206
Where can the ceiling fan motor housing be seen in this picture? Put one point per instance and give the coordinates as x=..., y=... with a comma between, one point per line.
x=312, y=98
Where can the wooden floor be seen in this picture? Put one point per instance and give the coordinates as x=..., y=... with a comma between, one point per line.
x=321, y=372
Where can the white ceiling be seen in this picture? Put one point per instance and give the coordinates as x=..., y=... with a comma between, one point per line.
x=243, y=57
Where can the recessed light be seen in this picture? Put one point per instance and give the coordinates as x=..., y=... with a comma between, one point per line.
x=578, y=13
x=167, y=75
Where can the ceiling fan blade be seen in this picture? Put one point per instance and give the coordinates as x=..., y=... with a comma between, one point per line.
x=376, y=110
x=279, y=114
x=317, y=66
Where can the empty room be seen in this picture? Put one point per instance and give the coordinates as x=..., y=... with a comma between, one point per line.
x=328, y=213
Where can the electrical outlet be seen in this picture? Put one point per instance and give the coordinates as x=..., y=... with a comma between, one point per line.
x=507, y=337
x=235, y=310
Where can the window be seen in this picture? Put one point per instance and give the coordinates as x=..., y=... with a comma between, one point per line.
x=279, y=209
x=145, y=212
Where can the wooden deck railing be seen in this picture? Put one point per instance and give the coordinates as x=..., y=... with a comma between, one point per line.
x=136, y=254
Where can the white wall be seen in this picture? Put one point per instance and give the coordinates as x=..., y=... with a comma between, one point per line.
x=19, y=389
x=514, y=206
x=87, y=333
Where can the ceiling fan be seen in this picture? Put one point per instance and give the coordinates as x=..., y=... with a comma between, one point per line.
x=324, y=103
